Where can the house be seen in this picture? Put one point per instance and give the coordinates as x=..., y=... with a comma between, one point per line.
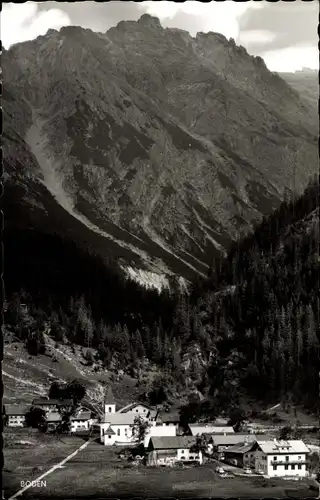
x=168, y=450
x=218, y=444
x=52, y=405
x=15, y=415
x=52, y=419
x=138, y=409
x=80, y=422
x=168, y=419
x=209, y=428
x=117, y=428
x=241, y=455
x=281, y=458
x=159, y=431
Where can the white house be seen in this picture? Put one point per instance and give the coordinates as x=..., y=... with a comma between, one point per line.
x=140, y=409
x=168, y=419
x=159, y=431
x=15, y=415
x=168, y=450
x=281, y=458
x=80, y=422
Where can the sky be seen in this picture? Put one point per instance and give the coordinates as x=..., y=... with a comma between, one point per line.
x=284, y=34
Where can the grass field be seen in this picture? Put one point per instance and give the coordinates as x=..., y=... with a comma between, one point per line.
x=96, y=471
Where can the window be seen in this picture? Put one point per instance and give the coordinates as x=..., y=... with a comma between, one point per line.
x=287, y=459
x=109, y=437
x=125, y=431
x=299, y=458
x=275, y=467
x=118, y=432
x=144, y=410
x=110, y=409
x=286, y=467
x=299, y=466
x=137, y=411
x=293, y=467
x=274, y=458
x=191, y=457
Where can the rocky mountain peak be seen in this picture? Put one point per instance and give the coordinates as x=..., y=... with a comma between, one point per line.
x=149, y=21
x=166, y=147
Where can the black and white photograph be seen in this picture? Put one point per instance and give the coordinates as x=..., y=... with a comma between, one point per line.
x=161, y=269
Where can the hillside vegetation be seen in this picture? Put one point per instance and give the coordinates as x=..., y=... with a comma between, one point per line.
x=250, y=329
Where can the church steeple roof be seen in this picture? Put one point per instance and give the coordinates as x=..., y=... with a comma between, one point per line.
x=109, y=397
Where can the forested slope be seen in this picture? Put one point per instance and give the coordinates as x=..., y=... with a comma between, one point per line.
x=251, y=328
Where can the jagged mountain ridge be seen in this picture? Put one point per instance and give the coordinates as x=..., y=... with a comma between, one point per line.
x=148, y=143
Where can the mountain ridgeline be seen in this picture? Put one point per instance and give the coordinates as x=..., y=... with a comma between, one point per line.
x=154, y=148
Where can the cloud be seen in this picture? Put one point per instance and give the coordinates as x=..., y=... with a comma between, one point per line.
x=22, y=22
x=258, y=37
x=221, y=17
x=292, y=59
x=98, y=16
x=293, y=23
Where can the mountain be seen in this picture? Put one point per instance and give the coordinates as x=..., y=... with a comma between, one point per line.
x=250, y=330
x=147, y=145
x=306, y=82
x=264, y=305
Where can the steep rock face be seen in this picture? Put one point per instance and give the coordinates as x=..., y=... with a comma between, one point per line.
x=151, y=144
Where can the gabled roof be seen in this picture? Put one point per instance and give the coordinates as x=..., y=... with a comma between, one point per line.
x=109, y=397
x=109, y=432
x=52, y=402
x=84, y=415
x=133, y=405
x=53, y=417
x=241, y=448
x=119, y=418
x=171, y=443
x=18, y=410
x=278, y=447
x=232, y=439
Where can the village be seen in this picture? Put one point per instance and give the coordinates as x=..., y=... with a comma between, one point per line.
x=150, y=437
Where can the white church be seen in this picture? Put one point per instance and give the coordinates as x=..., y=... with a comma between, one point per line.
x=116, y=426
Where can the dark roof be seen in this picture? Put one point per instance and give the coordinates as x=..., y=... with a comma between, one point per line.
x=46, y=402
x=84, y=415
x=16, y=409
x=172, y=443
x=109, y=397
x=109, y=432
x=240, y=448
x=168, y=417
